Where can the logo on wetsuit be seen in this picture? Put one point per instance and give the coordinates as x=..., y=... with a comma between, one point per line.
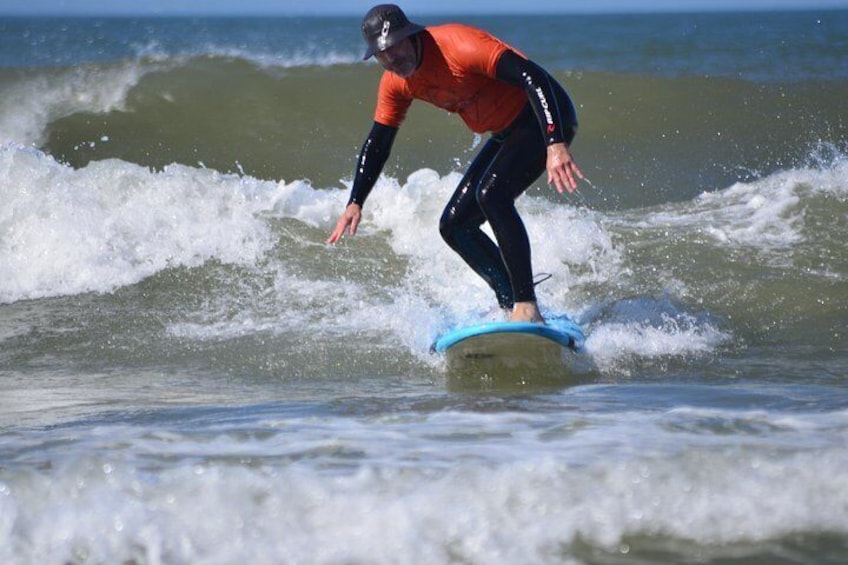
x=548, y=116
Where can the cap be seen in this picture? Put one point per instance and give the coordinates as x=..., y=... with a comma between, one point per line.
x=385, y=25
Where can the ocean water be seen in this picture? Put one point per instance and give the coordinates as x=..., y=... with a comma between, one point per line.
x=188, y=374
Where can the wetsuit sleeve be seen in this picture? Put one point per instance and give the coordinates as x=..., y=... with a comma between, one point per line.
x=373, y=155
x=540, y=88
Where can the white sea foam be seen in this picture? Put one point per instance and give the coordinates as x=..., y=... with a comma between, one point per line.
x=315, y=57
x=614, y=346
x=766, y=214
x=29, y=105
x=648, y=329
x=416, y=490
x=112, y=223
x=307, y=54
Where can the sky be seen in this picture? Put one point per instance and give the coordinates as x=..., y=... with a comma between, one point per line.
x=357, y=7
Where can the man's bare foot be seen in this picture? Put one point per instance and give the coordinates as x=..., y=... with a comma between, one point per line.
x=526, y=312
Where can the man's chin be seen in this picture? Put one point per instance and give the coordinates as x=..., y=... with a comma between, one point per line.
x=405, y=71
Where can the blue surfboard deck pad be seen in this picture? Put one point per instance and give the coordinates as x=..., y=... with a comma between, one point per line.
x=512, y=339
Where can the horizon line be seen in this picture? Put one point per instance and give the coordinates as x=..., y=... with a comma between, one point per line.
x=437, y=13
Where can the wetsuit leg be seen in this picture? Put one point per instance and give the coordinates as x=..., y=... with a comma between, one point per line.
x=460, y=228
x=502, y=171
x=520, y=161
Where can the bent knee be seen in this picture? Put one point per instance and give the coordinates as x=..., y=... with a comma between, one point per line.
x=448, y=228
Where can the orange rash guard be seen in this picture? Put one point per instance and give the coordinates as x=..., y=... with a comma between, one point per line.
x=457, y=74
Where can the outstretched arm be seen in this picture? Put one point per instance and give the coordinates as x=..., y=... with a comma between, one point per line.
x=558, y=131
x=372, y=157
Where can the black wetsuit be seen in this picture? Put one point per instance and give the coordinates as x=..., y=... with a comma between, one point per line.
x=509, y=162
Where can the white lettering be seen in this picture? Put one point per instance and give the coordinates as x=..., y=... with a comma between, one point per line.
x=544, y=101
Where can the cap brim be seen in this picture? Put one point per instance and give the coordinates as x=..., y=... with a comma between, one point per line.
x=392, y=39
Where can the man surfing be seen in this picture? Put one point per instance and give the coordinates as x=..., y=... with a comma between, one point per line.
x=493, y=88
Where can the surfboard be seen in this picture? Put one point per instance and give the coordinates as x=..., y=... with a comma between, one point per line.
x=511, y=341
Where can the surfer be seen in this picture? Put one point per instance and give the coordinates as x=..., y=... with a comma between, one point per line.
x=494, y=88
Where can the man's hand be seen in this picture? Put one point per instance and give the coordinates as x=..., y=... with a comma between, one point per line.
x=347, y=223
x=562, y=170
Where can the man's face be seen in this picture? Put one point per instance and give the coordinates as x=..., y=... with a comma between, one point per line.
x=401, y=58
